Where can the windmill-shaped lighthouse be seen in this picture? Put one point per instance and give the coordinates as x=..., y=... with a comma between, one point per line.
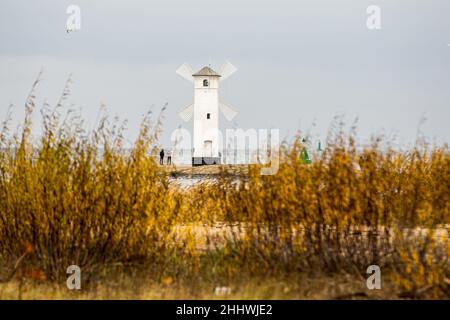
x=205, y=111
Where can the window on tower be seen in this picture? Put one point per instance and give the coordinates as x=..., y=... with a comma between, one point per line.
x=208, y=116
x=205, y=83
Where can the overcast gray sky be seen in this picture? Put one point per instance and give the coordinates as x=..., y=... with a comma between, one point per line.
x=299, y=61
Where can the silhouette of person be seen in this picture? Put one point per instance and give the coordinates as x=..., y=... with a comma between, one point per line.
x=161, y=157
x=169, y=157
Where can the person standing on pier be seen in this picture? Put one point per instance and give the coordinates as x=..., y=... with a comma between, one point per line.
x=161, y=157
x=169, y=157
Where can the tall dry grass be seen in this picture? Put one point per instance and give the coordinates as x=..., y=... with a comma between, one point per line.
x=349, y=209
x=76, y=197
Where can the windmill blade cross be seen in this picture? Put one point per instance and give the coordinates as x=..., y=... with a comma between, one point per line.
x=186, y=72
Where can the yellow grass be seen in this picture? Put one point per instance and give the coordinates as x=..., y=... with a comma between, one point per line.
x=75, y=197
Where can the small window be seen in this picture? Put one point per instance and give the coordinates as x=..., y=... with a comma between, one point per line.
x=208, y=116
x=205, y=83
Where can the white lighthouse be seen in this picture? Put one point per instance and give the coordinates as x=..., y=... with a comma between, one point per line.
x=205, y=111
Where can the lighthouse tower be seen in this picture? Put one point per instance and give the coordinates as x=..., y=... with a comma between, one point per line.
x=205, y=111
x=206, y=117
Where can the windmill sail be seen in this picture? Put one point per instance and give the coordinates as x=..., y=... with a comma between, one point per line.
x=186, y=72
x=186, y=113
x=227, y=70
x=228, y=111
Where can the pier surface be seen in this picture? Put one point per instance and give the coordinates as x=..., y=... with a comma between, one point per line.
x=207, y=170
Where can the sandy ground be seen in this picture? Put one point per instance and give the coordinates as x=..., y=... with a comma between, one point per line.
x=209, y=236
